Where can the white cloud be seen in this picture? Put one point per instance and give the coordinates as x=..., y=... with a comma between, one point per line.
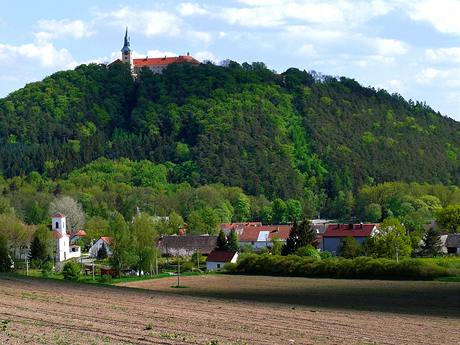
x=296, y=32
x=442, y=14
x=45, y=53
x=428, y=75
x=308, y=50
x=342, y=13
x=390, y=47
x=147, y=22
x=201, y=36
x=253, y=17
x=206, y=56
x=190, y=9
x=451, y=54
x=51, y=29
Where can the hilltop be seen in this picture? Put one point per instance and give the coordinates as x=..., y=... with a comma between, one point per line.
x=279, y=135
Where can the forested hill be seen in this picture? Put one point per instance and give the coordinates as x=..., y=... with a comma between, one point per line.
x=274, y=134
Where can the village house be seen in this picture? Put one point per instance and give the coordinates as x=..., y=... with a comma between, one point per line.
x=186, y=245
x=453, y=244
x=260, y=237
x=218, y=258
x=63, y=249
x=77, y=235
x=238, y=227
x=332, y=237
x=156, y=65
x=103, y=241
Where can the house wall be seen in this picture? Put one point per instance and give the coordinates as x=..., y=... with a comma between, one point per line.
x=332, y=244
x=257, y=245
x=210, y=266
x=62, y=249
x=213, y=265
x=96, y=246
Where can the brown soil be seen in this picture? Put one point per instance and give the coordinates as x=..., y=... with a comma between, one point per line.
x=271, y=311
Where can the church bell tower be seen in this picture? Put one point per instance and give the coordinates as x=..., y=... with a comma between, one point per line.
x=126, y=50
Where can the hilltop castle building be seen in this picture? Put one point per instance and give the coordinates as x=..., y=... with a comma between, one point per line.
x=156, y=65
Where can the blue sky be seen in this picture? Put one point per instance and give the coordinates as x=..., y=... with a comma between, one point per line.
x=409, y=47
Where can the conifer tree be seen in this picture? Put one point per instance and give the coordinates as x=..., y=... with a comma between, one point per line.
x=222, y=242
x=41, y=248
x=102, y=252
x=232, y=241
x=431, y=243
x=5, y=259
x=302, y=234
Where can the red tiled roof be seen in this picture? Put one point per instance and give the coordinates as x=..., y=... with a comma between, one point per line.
x=230, y=226
x=349, y=230
x=117, y=61
x=108, y=240
x=57, y=234
x=251, y=233
x=163, y=61
x=220, y=256
x=58, y=215
x=79, y=233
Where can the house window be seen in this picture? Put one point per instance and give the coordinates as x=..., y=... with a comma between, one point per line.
x=218, y=265
x=57, y=225
x=252, y=242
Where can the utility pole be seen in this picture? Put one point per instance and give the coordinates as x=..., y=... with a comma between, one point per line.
x=27, y=266
x=156, y=262
x=178, y=271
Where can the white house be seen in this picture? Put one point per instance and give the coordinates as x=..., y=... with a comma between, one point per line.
x=218, y=258
x=107, y=241
x=64, y=250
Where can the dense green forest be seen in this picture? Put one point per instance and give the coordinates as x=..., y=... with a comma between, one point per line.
x=296, y=137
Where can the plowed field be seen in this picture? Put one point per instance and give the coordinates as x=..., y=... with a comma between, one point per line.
x=220, y=309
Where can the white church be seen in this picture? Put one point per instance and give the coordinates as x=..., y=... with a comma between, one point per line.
x=64, y=250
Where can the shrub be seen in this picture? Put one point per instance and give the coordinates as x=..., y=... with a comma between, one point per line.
x=71, y=270
x=229, y=267
x=325, y=255
x=361, y=267
x=308, y=251
x=47, y=268
x=186, y=266
x=106, y=279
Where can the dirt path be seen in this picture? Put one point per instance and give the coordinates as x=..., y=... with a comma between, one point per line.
x=49, y=312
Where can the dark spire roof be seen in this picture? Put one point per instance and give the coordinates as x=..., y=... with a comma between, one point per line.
x=126, y=43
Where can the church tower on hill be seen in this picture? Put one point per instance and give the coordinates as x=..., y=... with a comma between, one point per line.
x=126, y=50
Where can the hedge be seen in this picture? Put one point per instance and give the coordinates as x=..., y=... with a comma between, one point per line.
x=361, y=267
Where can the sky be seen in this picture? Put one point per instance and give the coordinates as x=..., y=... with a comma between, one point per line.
x=406, y=46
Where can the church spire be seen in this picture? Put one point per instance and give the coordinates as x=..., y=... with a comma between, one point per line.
x=126, y=43
x=126, y=50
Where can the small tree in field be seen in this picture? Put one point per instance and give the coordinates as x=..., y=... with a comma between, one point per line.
x=431, y=243
x=71, y=270
x=302, y=234
x=41, y=248
x=5, y=259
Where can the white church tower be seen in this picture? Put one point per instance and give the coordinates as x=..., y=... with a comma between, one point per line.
x=58, y=226
x=126, y=50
